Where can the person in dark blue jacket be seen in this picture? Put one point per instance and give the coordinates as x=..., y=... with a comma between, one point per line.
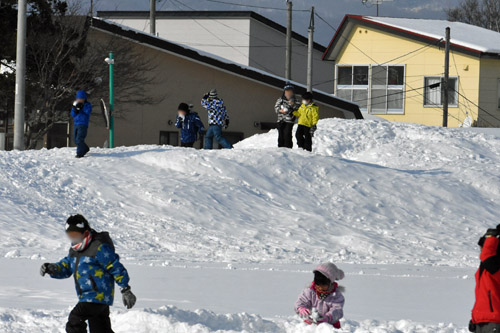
x=190, y=124
x=81, y=116
x=96, y=268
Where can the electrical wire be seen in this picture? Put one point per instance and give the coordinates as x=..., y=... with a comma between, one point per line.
x=255, y=6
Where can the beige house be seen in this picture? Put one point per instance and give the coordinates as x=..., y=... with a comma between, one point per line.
x=249, y=93
x=243, y=37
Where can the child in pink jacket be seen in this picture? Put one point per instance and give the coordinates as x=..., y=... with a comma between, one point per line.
x=323, y=301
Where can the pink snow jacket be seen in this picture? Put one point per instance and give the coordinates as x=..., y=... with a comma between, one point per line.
x=331, y=308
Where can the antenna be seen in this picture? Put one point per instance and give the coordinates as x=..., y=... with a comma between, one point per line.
x=374, y=2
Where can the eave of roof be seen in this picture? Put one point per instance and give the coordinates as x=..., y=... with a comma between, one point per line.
x=209, y=14
x=399, y=32
x=226, y=66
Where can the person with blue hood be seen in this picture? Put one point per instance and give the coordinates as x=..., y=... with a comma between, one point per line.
x=81, y=116
x=190, y=124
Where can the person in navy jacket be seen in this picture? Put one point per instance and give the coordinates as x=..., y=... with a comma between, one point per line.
x=190, y=124
x=486, y=311
x=81, y=116
x=95, y=268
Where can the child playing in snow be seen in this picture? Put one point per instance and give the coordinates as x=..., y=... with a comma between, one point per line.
x=323, y=301
x=308, y=114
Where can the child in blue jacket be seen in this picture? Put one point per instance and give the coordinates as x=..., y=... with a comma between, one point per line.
x=96, y=268
x=81, y=116
x=190, y=124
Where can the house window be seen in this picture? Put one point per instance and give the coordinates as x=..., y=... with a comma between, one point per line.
x=353, y=84
x=433, y=92
x=377, y=88
x=169, y=138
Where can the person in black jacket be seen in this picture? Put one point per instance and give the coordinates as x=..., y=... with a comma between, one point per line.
x=285, y=106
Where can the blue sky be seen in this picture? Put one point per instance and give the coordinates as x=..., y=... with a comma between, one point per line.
x=331, y=10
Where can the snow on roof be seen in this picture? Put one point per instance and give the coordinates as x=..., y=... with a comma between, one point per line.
x=466, y=35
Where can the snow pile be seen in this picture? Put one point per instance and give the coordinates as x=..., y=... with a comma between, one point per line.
x=373, y=192
x=171, y=319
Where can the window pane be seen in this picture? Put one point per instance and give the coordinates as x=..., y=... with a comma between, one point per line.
x=432, y=96
x=395, y=98
x=360, y=75
x=344, y=93
x=345, y=75
x=379, y=100
x=360, y=96
x=379, y=75
x=452, y=91
x=396, y=75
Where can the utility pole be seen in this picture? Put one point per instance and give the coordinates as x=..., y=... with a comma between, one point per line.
x=111, y=63
x=152, y=17
x=446, y=78
x=20, y=76
x=310, y=48
x=288, y=63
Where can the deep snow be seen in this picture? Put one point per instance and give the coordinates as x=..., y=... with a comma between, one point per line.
x=372, y=192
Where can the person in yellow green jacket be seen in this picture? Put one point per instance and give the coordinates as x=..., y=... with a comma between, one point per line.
x=308, y=115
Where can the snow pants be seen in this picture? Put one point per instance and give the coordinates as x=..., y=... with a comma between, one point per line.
x=96, y=314
x=487, y=328
x=285, y=134
x=304, y=138
x=80, y=135
x=215, y=131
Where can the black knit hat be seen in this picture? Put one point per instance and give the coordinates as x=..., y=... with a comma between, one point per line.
x=77, y=223
x=320, y=279
x=289, y=86
x=183, y=107
x=308, y=96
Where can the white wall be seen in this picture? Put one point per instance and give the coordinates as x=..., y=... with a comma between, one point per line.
x=206, y=34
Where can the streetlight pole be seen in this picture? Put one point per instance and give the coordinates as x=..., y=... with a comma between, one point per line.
x=111, y=62
x=20, y=77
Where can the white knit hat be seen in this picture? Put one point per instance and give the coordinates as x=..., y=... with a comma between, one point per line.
x=332, y=272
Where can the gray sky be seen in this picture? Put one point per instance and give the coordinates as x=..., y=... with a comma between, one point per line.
x=331, y=10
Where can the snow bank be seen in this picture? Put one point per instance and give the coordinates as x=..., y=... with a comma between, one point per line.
x=171, y=319
x=372, y=192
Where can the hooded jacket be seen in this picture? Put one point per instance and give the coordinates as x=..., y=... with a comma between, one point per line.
x=190, y=127
x=330, y=307
x=283, y=102
x=95, y=270
x=82, y=117
x=487, y=306
x=308, y=114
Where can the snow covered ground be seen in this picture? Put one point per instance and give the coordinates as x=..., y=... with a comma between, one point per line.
x=400, y=207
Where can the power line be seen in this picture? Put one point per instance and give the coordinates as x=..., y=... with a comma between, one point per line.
x=255, y=6
x=480, y=108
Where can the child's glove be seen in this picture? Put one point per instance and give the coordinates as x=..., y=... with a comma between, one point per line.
x=313, y=130
x=129, y=298
x=304, y=312
x=472, y=326
x=227, y=124
x=48, y=269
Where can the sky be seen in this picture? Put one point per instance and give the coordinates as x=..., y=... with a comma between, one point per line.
x=331, y=10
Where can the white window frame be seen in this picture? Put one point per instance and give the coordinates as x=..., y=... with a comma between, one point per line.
x=369, y=87
x=352, y=86
x=440, y=88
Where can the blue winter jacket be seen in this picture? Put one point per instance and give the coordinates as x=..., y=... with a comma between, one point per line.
x=83, y=116
x=190, y=127
x=217, y=112
x=95, y=270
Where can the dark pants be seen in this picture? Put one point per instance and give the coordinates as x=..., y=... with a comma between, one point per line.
x=304, y=138
x=187, y=144
x=216, y=131
x=80, y=135
x=487, y=328
x=96, y=314
x=285, y=134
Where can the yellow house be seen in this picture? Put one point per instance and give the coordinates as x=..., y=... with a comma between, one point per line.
x=393, y=67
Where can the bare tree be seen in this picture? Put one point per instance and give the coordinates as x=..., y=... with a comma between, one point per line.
x=485, y=13
x=62, y=57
